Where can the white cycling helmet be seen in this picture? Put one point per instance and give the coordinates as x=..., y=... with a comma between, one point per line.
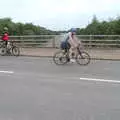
x=5, y=29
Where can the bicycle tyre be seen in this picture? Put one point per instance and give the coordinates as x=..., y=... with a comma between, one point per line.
x=62, y=59
x=84, y=55
x=3, y=50
x=15, y=51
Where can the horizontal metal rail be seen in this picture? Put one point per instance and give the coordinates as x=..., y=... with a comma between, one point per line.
x=55, y=40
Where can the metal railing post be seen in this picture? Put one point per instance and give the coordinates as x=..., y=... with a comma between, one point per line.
x=53, y=42
x=22, y=41
x=90, y=45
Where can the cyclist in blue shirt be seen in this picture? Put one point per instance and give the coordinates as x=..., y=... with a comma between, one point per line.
x=71, y=42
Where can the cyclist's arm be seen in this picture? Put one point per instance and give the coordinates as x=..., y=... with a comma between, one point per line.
x=71, y=41
x=78, y=42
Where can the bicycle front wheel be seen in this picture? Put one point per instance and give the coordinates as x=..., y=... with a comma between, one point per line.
x=15, y=51
x=83, y=58
x=60, y=58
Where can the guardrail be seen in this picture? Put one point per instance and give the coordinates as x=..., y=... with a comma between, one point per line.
x=53, y=41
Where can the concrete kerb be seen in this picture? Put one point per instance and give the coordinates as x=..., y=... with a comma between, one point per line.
x=49, y=52
x=52, y=57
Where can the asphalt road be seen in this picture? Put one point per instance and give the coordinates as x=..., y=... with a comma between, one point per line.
x=37, y=89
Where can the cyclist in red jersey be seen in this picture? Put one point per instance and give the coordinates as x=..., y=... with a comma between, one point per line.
x=5, y=36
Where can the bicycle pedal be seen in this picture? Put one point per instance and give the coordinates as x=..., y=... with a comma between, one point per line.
x=68, y=59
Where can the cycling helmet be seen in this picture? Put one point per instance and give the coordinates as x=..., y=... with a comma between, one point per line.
x=73, y=30
x=5, y=29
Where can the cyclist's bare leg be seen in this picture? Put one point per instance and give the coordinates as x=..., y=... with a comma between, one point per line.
x=72, y=54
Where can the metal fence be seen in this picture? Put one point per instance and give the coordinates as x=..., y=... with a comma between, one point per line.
x=53, y=41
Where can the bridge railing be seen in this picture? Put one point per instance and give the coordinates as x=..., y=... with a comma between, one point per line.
x=53, y=41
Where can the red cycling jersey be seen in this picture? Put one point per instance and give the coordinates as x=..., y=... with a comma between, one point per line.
x=5, y=37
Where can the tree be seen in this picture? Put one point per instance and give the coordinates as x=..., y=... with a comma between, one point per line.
x=23, y=29
x=111, y=27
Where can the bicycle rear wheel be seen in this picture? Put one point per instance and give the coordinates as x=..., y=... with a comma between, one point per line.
x=3, y=51
x=60, y=58
x=15, y=51
x=83, y=58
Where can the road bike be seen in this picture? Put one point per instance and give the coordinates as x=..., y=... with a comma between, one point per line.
x=10, y=49
x=62, y=57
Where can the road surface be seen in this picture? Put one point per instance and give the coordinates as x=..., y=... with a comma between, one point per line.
x=37, y=89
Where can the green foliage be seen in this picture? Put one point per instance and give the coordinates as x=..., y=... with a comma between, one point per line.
x=23, y=29
x=111, y=27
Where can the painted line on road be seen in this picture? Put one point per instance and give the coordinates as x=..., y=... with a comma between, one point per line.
x=100, y=80
x=8, y=72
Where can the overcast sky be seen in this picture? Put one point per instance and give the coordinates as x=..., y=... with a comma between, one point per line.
x=59, y=14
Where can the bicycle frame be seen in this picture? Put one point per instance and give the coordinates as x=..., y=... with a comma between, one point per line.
x=78, y=50
x=10, y=45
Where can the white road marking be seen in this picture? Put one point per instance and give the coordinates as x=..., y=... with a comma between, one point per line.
x=100, y=80
x=8, y=72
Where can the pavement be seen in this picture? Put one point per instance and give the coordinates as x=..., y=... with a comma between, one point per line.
x=108, y=54
x=33, y=88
